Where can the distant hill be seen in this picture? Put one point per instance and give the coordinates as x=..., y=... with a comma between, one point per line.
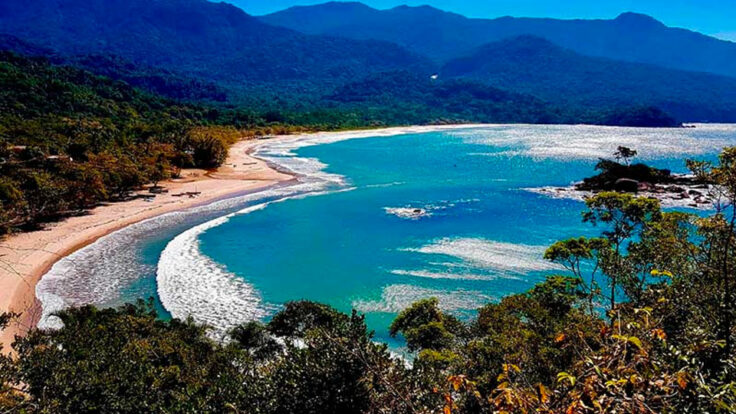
x=215, y=41
x=535, y=66
x=443, y=35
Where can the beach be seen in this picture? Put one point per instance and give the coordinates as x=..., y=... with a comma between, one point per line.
x=26, y=257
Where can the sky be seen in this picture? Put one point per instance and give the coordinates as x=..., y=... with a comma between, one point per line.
x=713, y=17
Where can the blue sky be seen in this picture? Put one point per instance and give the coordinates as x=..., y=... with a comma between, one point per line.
x=715, y=17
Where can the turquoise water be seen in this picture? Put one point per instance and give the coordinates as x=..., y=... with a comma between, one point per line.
x=483, y=238
x=480, y=235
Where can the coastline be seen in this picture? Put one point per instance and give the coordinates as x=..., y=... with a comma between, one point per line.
x=26, y=257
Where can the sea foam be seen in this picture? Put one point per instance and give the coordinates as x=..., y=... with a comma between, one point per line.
x=488, y=254
x=395, y=298
x=190, y=284
x=99, y=274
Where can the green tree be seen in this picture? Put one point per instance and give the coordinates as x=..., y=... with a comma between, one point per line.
x=625, y=154
x=623, y=218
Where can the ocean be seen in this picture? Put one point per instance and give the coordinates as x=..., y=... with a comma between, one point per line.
x=373, y=224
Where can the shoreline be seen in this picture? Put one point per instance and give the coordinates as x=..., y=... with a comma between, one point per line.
x=26, y=257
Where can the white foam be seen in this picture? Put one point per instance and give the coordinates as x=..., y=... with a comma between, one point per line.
x=442, y=275
x=190, y=284
x=409, y=213
x=491, y=255
x=282, y=152
x=395, y=298
x=97, y=274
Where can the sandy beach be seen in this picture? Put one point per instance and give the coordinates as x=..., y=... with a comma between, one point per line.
x=26, y=257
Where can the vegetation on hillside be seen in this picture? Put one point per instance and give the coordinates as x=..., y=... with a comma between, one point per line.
x=538, y=67
x=643, y=321
x=202, y=39
x=70, y=139
x=207, y=52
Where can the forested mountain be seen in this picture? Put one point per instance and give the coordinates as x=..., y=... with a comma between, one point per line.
x=404, y=97
x=535, y=66
x=215, y=41
x=203, y=52
x=70, y=139
x=442, y=35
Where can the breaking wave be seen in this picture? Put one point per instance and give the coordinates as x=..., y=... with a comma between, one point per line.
x=99, y=273
x=190, y=284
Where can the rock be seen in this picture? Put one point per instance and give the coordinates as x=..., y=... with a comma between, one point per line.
x=675, y=189
x=645, y=186
x=626, y=185
x=695, y=193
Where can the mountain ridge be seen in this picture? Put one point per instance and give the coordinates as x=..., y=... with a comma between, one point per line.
x=632, y=37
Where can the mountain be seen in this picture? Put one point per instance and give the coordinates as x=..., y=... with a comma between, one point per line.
x=214, y=41
x=535, y=66
x=198, y=51
x=442, y=35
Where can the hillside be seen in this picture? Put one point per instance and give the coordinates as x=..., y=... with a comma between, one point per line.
x=536, y=66
x=443, y=35
x=214, y=41
x=403, y=97
x=70, y=139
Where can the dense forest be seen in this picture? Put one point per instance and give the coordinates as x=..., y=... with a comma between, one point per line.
x=535, y=66
x=70, y=139
x=642, y=321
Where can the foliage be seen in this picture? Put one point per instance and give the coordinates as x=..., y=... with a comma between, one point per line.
x=424, y=326
x=70, y=139
x=127, y=360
